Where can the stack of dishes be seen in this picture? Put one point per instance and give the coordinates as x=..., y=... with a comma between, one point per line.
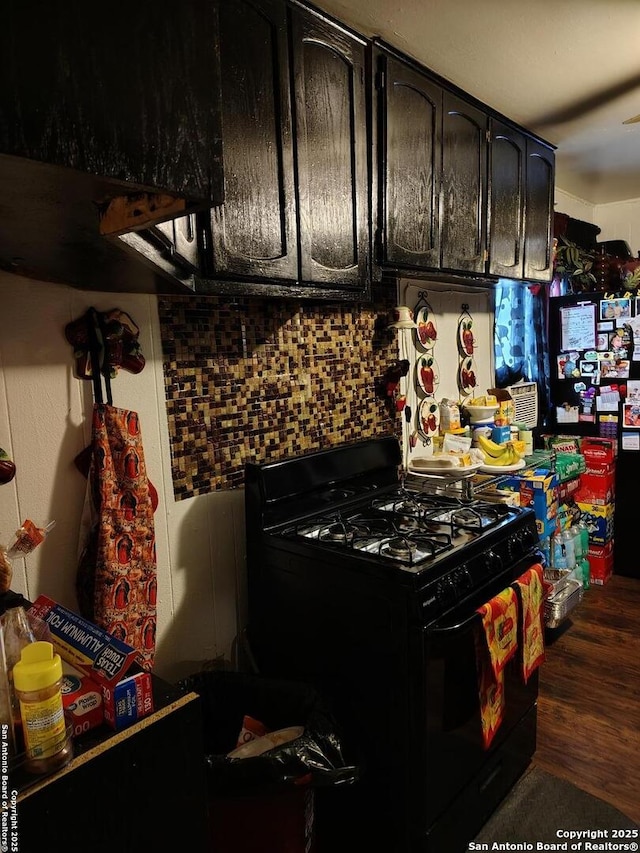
x=481, y=414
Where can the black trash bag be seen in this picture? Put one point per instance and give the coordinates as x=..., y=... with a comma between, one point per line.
x=315, y=758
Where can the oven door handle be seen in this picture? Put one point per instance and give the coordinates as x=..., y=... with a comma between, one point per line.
x=447, y=630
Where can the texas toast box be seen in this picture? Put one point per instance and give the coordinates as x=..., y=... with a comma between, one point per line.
x=126, y=689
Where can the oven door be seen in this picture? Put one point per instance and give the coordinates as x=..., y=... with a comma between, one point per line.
x=450, y=764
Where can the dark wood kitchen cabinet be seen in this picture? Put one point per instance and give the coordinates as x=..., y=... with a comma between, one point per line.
x=294, y=152
x=143, y=788
x=410, y=149
x=108, y=124
x=540, y=177
x=521, y=190
x=464, y=186
x=507, y=165
x=126, y=95
x=460, y=189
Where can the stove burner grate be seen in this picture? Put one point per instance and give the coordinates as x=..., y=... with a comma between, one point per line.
x=415, y=547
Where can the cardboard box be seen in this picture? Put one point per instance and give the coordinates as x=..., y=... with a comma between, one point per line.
x=562, y=443
x=569, y=465
x=126, y=689
x=81, y=700
x=600, y=563
x=538, y=488
x=130, y=700
x=598, y=451
x=501, y=434
x=506, y=407
x=597, y=487
x=599, y=519
x=570, y=487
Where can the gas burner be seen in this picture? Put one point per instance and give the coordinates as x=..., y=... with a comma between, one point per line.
x=405, y=523
x=402, y=549
x=342, y=532
x=466, y=517
x=415, y=548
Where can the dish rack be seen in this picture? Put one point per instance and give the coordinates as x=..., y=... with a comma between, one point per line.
x=564, y=594
x=447, y=482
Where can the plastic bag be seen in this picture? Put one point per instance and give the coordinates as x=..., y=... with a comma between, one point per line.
x=315, y=758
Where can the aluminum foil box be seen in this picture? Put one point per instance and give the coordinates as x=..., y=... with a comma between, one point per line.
x=126, y=689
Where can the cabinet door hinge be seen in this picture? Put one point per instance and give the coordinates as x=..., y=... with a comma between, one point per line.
x=380, y=79
x=486, y=256
x=488, y=133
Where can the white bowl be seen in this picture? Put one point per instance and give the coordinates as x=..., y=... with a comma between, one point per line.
x=477, y=414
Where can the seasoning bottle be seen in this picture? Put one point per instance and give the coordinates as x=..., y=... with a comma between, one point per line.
x=17, y=633
x=37, y=679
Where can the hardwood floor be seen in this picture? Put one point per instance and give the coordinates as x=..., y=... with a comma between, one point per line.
x=589, y=703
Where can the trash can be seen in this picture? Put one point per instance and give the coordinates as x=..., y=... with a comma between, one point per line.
x=265, y=801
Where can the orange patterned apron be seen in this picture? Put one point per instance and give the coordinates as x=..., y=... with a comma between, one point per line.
x=116, y=581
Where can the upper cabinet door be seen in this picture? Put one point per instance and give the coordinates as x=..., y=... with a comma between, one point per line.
x=410, y=149
x=128, y=98
x=254, y=229
x=538, y=211
x=506, y=201
x=331, y=151
x=464, y=173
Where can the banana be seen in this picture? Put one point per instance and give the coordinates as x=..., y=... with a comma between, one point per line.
x=505, y=458
x=490, y=448
x=518, y=448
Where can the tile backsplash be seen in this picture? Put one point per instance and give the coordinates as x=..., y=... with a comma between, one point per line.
x=260, y=379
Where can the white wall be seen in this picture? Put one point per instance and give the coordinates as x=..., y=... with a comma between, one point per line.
x=620, y=220
x=575, y=207
x=446, y=301
x=45, y=421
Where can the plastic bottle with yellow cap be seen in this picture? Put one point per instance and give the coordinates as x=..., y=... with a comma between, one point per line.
x=37, y=678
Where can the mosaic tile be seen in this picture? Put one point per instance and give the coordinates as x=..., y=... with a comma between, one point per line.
x=265, y=379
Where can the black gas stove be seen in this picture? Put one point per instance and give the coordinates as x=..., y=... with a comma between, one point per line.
x=368, y=586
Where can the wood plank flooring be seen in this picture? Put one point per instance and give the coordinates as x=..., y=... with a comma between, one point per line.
x=589, y=703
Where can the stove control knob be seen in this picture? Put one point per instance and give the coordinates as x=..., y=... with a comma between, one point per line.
x=530, y=537
x=494, y=563
x=463, y=579
x=446, y=591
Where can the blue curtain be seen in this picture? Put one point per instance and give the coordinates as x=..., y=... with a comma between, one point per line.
x=520, y=338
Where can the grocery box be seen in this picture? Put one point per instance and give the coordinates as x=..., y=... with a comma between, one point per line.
x=599, y=519
x=112, y=664
x=81, y=699
x=597, y=487
x=562, y=443
x=501, y=434
x=598, y=452
x=569, y=465
x=600, y=563
x=538, y=488
x=568, y=488
x=130, y=700
x=506, y=406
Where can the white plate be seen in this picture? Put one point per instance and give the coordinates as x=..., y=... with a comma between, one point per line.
x=427, y=384
x=457, y=471
x=424, y=340
x=468, y=375
x=428, y=409
x=466, y=344
x=502, y=469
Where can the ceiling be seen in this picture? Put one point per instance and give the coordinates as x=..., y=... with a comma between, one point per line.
x=568, y=70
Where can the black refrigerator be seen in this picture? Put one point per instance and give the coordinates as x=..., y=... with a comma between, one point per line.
x=594, y=358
